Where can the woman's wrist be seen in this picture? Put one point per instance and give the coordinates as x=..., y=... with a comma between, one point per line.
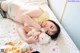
x=28, y=41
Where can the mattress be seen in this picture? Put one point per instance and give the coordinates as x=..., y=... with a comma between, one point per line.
x=63, y=44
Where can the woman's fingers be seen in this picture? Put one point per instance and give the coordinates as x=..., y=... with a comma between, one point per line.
x=32, y=39
x=36, y=37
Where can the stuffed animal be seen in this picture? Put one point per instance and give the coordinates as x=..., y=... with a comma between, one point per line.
x=20, y=47
x=43, y=37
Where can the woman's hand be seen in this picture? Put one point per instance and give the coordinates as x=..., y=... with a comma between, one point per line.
x=33, y=38
x=37, y=27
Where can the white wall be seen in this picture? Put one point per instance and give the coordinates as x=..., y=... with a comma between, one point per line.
x=71, y=21
x=57, y=7
x=71, y=17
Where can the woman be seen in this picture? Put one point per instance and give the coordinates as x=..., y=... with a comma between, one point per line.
x=36, y=17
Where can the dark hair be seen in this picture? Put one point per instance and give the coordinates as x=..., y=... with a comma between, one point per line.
x=36, y=52
x=3, y=14
x=54, y=36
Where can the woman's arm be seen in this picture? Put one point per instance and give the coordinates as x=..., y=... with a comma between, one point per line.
x=23, y=35
x=27, y=19
x=35, y=13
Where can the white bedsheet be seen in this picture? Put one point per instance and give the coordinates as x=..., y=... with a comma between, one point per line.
x=64, y=44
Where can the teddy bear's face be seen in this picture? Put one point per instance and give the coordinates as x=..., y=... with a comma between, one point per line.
x=44, y=38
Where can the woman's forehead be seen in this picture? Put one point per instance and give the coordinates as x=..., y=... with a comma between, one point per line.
x=52, y=23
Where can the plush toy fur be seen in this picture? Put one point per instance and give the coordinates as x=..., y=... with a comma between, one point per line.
x=43, y=37
x=20, y=47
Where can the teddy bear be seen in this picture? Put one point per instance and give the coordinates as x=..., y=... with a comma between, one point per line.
x=19, y=47
x=43, y=37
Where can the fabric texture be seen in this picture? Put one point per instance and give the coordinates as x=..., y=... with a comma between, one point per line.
x=9, y=10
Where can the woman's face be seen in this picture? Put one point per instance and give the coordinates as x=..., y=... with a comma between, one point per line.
x=49, y=27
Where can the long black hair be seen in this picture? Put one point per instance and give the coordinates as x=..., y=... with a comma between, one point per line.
x=54, y=36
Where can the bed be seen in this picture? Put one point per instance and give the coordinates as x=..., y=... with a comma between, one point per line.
x=63, y=44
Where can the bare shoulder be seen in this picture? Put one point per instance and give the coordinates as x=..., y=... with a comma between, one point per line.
x=36, y=12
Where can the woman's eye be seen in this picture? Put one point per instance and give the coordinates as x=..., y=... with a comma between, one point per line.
x=47, y=31
x=51, y=27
